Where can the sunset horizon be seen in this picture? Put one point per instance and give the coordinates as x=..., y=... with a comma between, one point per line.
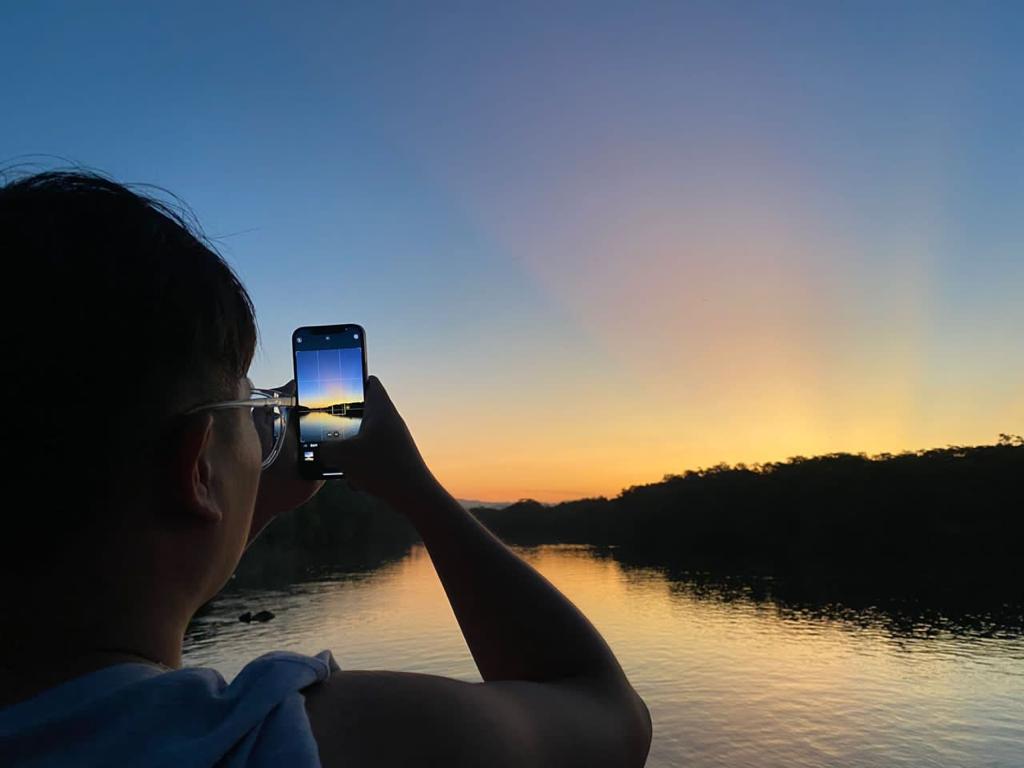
x=556, y=496
x=622, y=243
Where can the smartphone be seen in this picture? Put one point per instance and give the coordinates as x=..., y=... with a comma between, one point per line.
x=330, y=379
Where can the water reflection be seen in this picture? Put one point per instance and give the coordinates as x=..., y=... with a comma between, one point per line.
x=320, y=426
x=733, y=674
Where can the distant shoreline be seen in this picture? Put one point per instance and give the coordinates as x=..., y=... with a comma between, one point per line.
x=940, y=524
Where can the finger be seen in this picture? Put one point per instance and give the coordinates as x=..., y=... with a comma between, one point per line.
x=292, y=429
x=371, y=400
x=286, y=389
x=377, y=399
x=374, y=389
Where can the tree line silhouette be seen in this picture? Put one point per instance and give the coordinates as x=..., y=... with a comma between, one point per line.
x=943, y=524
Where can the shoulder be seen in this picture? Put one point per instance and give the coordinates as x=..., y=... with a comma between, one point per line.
x=396, y=718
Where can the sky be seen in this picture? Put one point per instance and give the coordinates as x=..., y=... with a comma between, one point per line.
x=591, y=243
x=327, y=377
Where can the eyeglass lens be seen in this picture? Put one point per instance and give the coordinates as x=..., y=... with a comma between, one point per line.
x=268, y=427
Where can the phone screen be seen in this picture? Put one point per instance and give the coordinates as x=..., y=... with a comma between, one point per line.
x=330, y=374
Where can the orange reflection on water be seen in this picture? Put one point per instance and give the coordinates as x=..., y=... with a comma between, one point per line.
x=729, y=681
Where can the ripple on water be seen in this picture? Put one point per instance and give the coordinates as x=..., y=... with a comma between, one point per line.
x=730, y=681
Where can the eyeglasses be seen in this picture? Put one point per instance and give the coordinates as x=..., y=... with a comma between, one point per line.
x=270, y=411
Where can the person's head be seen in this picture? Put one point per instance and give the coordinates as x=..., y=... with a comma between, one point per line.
x=118, y=317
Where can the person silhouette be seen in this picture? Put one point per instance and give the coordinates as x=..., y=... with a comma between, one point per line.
x=122, y=326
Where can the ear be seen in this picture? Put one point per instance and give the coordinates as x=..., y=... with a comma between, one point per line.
x=193, y=476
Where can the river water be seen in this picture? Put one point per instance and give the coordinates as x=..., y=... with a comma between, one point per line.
x=729, y=681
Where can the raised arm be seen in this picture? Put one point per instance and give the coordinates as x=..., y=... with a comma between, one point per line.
x=553, y=694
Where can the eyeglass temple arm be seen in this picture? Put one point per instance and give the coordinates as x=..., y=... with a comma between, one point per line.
x=283, y=401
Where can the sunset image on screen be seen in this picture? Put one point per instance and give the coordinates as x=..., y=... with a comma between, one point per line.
x=329, y=378
x=330, y=388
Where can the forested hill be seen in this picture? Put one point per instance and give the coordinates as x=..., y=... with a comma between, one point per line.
x=948, y=519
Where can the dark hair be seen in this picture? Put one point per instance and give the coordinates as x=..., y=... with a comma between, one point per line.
x=118, y=315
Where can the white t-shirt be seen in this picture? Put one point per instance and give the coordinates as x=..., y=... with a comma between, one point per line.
x=135, y=714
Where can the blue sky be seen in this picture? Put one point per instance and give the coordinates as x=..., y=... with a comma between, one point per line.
x=590, y=243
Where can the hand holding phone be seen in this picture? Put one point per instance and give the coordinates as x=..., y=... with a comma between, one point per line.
x=383, y=459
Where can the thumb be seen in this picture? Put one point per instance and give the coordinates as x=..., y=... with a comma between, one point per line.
x=378, y=403
x=375, y=391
